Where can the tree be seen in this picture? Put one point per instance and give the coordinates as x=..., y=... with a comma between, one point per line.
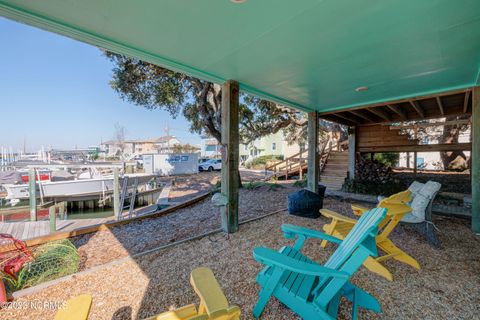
x=454, y=160
x=154, y=87
x=450, y=133
x=184, y=148
x=119, y=139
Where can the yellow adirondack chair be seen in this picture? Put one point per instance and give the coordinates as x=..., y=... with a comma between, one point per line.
x=397, y=208
x=77, y=308
x=213, y=303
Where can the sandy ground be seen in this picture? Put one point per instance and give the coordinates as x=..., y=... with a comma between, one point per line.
x=447, y=286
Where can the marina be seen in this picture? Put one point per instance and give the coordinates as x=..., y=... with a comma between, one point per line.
x=41, y=194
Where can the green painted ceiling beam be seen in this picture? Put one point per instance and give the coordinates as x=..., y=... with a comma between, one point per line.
x=309, y=54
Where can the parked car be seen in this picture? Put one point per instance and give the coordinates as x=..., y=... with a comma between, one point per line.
x=210, y=165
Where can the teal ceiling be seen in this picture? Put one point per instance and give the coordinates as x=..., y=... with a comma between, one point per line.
x=310, y=54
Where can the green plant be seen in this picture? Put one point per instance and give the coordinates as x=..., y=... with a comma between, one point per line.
x=389, y=159
x=262, y=161
x=301, y=183
x=371, y=187
x=252, y=185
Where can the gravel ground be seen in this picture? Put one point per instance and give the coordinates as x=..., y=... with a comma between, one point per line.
x=104, y=246
x=445, y=288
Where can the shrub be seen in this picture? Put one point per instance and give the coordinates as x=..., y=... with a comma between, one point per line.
x=389, y=159
x=262, y=161
x=375, y=188
x=301, y=183
x=252, y=185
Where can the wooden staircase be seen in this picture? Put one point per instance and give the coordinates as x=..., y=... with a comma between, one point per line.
x=335, y=170
x=333, y=166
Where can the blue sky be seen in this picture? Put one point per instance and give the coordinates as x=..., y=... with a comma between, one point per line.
x=54, y=92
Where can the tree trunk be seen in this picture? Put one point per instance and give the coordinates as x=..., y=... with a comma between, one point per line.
x=451, y=134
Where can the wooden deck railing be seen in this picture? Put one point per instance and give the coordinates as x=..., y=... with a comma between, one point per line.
x=299, y=161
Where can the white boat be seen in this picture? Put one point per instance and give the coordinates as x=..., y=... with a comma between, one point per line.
x=73, y=188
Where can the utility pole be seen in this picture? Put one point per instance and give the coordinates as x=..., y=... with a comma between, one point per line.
x=167, y=132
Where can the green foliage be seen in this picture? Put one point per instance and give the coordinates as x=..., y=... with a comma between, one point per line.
x=371, y=187
x=199, y=101
x=95, y=156
x=184, y=148
x=301, y=183
x=387, y=158
x=51, y=261
x=263, y=160
x=253, y=185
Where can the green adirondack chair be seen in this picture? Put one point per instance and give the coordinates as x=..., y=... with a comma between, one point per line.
x=309, y=289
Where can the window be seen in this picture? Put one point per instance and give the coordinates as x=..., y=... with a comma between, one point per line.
x=245, y=147
x=274, y=146
x=211, y=147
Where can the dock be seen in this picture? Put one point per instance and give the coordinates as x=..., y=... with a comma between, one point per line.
x=31, y=229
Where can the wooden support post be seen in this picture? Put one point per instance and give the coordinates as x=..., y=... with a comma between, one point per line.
x=415, y=135
x=313, y=165
x=475, y=160
x=300, y=172
x=116, y=194
x=408, y=159
x=32, y=189
x=230, y=156
x=351, y=152
x=415, y=162
x=53, y=218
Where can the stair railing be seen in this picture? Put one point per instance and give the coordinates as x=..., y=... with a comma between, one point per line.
x=298, y=161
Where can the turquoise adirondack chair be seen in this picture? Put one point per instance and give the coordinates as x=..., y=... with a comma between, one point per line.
x=309, y=289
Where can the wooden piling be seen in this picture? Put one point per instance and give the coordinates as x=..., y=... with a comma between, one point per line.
x=53, y=218
x=116, y=194
x=32, y=189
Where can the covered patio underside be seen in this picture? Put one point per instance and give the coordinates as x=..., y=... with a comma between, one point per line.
x=445, y=288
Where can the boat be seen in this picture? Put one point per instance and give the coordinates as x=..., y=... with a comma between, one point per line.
x=73, y=189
